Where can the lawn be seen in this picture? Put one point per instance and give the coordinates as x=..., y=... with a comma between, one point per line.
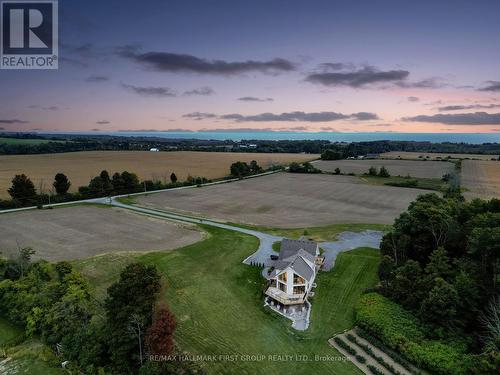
x=218, y=304
x=324, y=233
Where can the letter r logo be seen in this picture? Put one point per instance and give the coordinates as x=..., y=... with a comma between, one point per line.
x=28, y=27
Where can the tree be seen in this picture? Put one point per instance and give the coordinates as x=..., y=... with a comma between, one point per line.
x=118, y=183
x=173, y=178
x=22, y=189
x=130, y=182
x=24, y=258
x=107, y=186
x=386, y=269
x=61, y=184
x=439, y=264
x=383, y=172
x=372, y=171
x=440, y=306
x=255, y=168
x=331, y=155
x=159, y=337
x=407, y=285
x=133, y=294
x=337, y=170
x=239, y=169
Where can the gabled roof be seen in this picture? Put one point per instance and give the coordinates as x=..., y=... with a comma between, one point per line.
x=291, y=247
x=302, y=268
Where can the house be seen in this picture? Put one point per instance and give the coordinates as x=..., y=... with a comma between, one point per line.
x=154, y=149
x=294, y=272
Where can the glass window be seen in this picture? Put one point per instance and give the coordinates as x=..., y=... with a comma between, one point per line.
x=282, y=287
x=282, y=277
x=297, y=279
x=299, y=289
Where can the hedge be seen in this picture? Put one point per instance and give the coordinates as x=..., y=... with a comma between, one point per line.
x=401, y=331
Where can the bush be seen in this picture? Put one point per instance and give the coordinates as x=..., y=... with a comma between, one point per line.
x=345, y=346
x=375, y=370
x=360, y=358
x=401, y=331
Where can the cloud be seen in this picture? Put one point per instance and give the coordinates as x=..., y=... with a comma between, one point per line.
x=174, y=62
x=237, y=130
x=2, y=128
x=13, y=121
x=329, y=129
x=204, y=91
x=153, y=130
x=73, y=61
x=95, y=130
x=286, y=116
x=368, y=75
x=429, y=83
x=103, y=122
x=200, y=115
x=413, y=99
x=471, y=106
x=477, y=118
x=255, y=99
x=96, y=79
x=492, y=86
x=50, y=108
x=160, y=92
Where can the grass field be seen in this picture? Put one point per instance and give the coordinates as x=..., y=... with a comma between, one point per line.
x=80, y=167
x=433, y=155
x=286, y=200
x=83, y=231
x=422, y=183
x=22, y=141
x=425, y=169
x=481, y=178
x=219, y=307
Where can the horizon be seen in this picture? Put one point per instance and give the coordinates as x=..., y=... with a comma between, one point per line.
x=232, y=67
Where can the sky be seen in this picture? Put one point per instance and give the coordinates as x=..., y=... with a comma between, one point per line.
x=335, y=66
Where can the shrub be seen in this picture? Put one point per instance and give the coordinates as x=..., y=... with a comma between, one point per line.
x=403, y=332
x=360, y=358
x=375, y=370
x=345, y=346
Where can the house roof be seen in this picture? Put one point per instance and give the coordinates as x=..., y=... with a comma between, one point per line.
x=292, y=247
x=301, y=268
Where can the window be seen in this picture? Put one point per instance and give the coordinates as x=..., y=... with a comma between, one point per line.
x=297, y=279
x=282, y=277
x=299, y=289
x=282, y=287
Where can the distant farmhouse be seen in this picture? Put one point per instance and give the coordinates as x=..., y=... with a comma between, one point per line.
x=293, y=275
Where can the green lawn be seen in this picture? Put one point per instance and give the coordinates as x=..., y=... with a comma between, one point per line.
x=421, y=183
x=324, y=233
x=218, y=304
x=22, y=141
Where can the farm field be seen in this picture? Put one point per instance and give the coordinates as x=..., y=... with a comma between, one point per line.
x=426, y=169
x=23, y=141
x=286, y=200
x=219, y=309
x=83, y=231
x=80, y=167
x=433, y=155
x=481, y=178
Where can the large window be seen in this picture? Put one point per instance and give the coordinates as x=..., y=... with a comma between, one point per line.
x=282, y=277
x=297, y=279
x=299, y=289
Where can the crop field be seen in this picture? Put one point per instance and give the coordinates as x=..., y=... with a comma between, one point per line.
x=433, y=155
x=286, y=200
x=481, y=178
x=83, y=231
x=426, y=169
x=80, y=167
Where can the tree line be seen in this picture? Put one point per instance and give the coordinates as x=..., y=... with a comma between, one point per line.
x=441, y=262
x=24, y=194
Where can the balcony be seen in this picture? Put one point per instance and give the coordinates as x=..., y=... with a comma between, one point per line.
x=284, y=298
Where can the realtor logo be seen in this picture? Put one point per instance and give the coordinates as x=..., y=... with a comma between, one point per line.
x=29, y=35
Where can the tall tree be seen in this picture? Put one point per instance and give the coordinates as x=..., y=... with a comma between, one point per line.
x=22, y=189
x=61, y=184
